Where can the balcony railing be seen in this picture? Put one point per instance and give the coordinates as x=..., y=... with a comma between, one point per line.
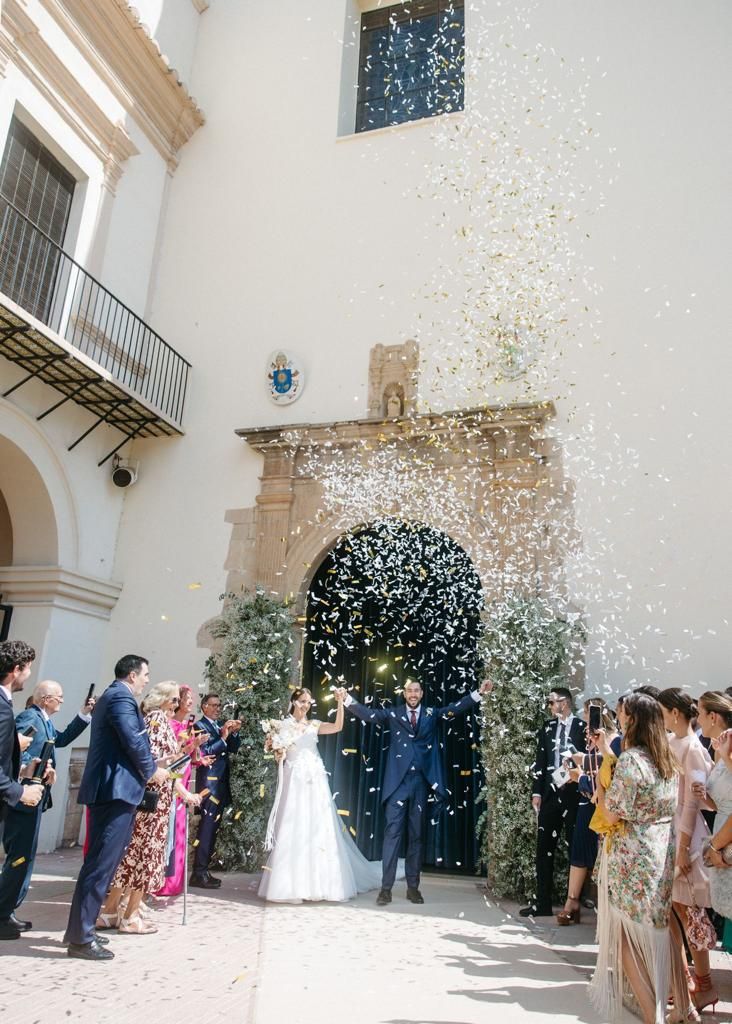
x=43, y=280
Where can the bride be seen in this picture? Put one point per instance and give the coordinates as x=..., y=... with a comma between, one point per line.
x=313, y=856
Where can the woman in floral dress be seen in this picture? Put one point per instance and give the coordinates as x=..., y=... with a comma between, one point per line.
x=142, y=869
x=637, y=872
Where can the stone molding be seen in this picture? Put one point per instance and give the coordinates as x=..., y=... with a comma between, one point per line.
x=22, y=43
x=111, y=37
x=51, y=585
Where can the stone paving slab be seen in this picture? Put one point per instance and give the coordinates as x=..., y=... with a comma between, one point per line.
x=459, y=959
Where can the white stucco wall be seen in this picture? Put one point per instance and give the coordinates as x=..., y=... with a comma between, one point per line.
x=278, y=232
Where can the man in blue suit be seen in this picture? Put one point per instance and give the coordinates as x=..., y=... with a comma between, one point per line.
x=223, y=740
x=413, y=770
x=23, y=823
x=118, y=766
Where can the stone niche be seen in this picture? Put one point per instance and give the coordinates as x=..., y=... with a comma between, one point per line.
x=393, y=374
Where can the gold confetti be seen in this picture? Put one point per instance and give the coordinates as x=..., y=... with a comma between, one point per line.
x=345, y=814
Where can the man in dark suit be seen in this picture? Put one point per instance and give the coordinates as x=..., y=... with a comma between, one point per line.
x=117, y=768
x=554, y=802
x=16, y=661
x=23, y=823
x=413, y=770
x=223, y=740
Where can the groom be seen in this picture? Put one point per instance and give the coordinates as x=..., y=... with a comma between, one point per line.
x=413, y=770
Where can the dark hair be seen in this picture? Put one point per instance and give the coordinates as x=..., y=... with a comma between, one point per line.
x=649, y=691
x=207, y=697
x=728, y=691
x=14, y=654
x=129, y=663
x=674, y=699
x=645, y=729
x=296, y=695
x=562, y=691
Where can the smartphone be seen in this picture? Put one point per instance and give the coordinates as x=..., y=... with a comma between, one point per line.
x=90, y=694
x=30, y=731
x=595, y=718
x=180, y=763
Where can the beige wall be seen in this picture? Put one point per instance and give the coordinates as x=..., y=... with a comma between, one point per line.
x=281, y=232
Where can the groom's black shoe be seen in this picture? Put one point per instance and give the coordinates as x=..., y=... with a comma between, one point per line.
x=204, y=882
x=415, y=896
x=534, y=911
x=383, y=898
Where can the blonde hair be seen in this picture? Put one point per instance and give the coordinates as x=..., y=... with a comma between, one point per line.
x=159, y=695
x=717, y=703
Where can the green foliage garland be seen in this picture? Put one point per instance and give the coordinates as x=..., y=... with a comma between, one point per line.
x=250, y=669
x=526, y=649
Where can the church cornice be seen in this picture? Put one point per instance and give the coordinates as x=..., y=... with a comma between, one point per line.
x=111, y=37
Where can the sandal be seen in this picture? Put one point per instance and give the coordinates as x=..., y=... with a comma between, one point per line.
x=135, y=925
x=571, y=916
x=106, y=921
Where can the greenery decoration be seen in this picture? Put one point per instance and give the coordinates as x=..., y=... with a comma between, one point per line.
x=526, y=649
x=250, y=669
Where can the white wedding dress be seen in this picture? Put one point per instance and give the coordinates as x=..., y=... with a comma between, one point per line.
x=314, y=856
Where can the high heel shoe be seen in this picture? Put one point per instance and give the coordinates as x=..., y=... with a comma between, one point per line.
x=705, y=994
x=566, y=917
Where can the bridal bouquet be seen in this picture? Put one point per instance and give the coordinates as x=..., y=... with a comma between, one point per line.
x=278, y=735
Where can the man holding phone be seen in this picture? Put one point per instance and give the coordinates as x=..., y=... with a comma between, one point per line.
x=554, y=797
x=23, y=823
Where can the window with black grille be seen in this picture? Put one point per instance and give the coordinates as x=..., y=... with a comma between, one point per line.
x=411, y=62
x=33, y=180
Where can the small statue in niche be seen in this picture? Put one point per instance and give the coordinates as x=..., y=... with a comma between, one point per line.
x=393, y=402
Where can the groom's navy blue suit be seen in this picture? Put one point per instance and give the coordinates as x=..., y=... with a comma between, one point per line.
x=413, y=770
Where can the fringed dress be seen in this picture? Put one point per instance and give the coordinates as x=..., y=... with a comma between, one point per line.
x=635, y=885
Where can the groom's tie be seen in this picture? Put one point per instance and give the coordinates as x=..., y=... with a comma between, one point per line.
x=413, y=715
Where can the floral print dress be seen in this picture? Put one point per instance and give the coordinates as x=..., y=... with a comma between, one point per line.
x=641, y=855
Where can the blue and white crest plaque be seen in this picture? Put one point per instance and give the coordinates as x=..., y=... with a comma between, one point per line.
x=285, y=376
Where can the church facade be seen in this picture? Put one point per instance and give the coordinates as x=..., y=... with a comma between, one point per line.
x=289, y=269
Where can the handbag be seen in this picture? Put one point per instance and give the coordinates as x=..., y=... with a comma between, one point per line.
x=700, y=931
x=726, y=852
x=149, y=802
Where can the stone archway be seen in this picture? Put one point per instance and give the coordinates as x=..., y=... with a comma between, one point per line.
x=509, y=476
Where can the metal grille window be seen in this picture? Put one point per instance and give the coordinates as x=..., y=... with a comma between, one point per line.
x=40, y=187
x=411, y=62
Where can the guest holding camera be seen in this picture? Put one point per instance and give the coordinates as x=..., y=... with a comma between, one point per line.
x=222, y=741
x=189, y=743
x=554, y=795
x=583, y=851
x=691, y=880
x=118, y=765
x=142, y=869
x=23, y=823
x=636, y=878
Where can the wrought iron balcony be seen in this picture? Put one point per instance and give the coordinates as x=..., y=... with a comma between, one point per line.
x=65, y=328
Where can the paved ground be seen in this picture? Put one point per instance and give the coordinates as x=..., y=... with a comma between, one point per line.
x=459, y=959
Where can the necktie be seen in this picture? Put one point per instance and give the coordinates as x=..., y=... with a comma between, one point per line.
x=413, y=714
x=560, y=744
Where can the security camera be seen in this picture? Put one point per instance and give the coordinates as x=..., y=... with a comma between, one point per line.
x=124, y=472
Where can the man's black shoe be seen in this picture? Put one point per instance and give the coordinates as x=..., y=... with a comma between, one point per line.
x=536, y=912
x=23, y=926
x=101, y=939
x=383, y=898
x=89, y=951
x=414, y=896
x=8, y=930
x=204, y=882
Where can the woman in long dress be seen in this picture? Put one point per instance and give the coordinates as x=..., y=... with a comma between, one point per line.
x=637, y=872
x=691, y=880
x=313, y=856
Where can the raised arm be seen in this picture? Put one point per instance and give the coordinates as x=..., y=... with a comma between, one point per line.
x=328, y=728
x=375, y=716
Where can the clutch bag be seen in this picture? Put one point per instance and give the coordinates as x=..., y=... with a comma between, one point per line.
x=149, y=802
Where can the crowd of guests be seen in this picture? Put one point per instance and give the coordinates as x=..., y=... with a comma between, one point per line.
x=136, y=787
x=644, y=798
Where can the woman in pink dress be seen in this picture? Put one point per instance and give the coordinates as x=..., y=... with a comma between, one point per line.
x=181, y=723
